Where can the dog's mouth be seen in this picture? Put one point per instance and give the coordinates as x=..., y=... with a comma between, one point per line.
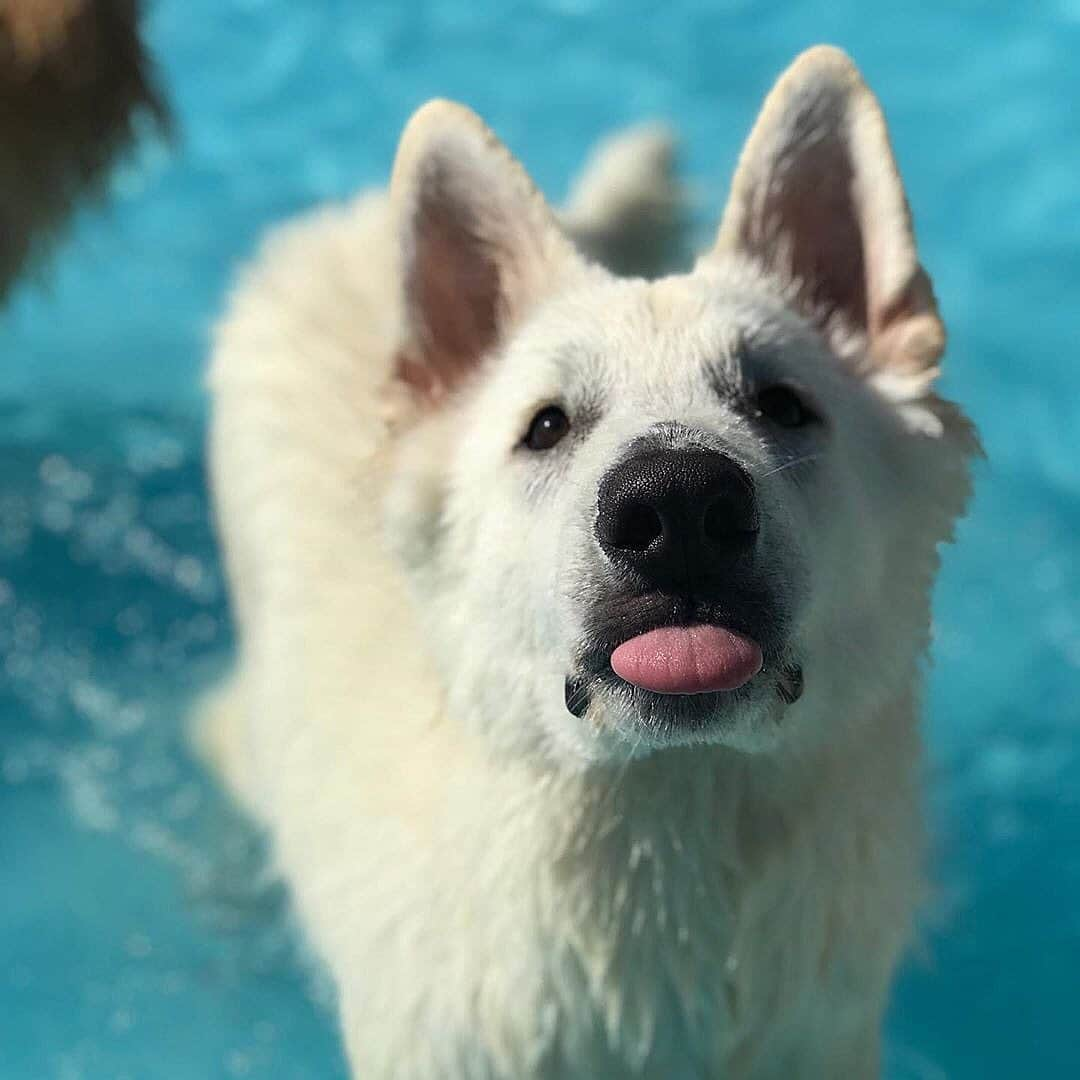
x=685, y=659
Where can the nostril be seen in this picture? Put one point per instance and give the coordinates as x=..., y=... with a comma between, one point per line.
x=726, y=519
x=638, y=526
x=669, y=515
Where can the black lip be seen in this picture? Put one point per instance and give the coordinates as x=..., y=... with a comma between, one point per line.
x=616, y=619
x=578, y=694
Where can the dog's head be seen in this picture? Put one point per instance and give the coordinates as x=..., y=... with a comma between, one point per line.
x=700, y=509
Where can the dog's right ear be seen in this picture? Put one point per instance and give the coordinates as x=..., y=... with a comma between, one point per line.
x=479, y=245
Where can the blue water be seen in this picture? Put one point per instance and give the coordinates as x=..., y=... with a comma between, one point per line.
x=138, y=936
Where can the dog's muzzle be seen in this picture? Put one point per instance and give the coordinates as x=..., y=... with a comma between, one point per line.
x=686, y=610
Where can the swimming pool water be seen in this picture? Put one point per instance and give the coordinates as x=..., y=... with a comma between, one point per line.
x=138, y=934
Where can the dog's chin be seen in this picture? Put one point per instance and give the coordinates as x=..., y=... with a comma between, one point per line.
x=748, y=719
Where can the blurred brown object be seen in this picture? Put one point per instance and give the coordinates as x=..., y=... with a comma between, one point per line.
x=73, y=79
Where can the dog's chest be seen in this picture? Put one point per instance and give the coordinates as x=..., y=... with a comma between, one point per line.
x=689, y=963
x=626, y=939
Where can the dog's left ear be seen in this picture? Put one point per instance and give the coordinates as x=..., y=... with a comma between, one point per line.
x=479, y=244
x=817, y=201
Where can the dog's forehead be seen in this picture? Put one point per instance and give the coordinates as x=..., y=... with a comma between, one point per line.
x=688, y=329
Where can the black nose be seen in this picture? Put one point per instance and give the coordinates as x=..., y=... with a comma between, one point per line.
x=679, y=518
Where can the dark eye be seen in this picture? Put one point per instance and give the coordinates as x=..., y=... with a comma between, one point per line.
x=548, y=426
x=785, y=407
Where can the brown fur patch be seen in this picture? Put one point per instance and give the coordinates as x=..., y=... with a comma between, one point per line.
x=73, y=78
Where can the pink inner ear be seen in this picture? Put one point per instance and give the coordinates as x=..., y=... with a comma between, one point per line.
x=807, y=224
x=452, y=284
x=417, y=376
x=818, y=202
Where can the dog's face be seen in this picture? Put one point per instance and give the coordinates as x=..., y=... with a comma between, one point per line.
x=701, y=509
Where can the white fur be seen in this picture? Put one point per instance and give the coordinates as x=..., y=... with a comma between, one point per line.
x=501, y=889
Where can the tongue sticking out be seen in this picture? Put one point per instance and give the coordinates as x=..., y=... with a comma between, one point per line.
x=687, y=660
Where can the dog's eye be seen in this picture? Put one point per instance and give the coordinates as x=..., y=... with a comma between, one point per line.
x=548, y=426
x=784, y=406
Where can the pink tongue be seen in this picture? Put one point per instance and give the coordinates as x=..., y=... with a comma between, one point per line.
x=687, y=660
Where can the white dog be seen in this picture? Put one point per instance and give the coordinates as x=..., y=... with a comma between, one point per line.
x=580, y=615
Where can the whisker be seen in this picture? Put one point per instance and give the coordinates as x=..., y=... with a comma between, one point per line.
x=790, y=465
